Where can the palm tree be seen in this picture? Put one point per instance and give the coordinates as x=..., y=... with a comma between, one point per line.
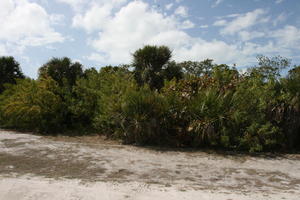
x=9, y=71
x=62, y=70
x=148, y=65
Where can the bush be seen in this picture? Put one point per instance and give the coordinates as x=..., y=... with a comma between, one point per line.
x=9, y=71
x=142, y=117
x=114, y=84
x=209, y=112
x=32, y=105
x=190, y=104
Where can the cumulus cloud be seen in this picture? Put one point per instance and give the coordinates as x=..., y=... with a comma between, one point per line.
x=181, y=11
x=187, y=24
x=169, y=6
x=137, y=24
x=249, y=35
x=221, y=22
x=79, y=5
x=244, y=21
x=116, y=28
x=200, y=49
x=289, y=36
x=26, y=24
x=133, y=26
x=121, y=31
x=95, y=19
x=75, y=4
x=57, y=19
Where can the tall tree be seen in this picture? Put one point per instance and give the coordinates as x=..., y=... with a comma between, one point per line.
x=62, y=70
x=270, y=67
x=196, y=68
x=173, y=70
x=148, y=65
x=292, y=82
x=9, y=71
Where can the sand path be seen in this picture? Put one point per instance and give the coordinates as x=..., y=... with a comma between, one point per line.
x=35, y=167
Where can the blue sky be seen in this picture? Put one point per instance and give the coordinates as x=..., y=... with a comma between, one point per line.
x=102, y=32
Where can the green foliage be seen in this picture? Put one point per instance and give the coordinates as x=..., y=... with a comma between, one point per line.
x=148, y=65
x=142, y=115
x=172, y=70
x=270, y=67
x=9, y=72
x=209, y=112
x=261, y=137
x=85, y=103
x=292, y=82
x=197, y=69
x=114, y=84
x=287, y=113
x=62, y=70
x=161, y=102
x=32, y=105
x=66, y=73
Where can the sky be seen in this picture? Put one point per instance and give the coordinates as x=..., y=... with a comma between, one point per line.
x=97, y=33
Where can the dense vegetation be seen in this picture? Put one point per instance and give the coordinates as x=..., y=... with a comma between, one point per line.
x=156, y=101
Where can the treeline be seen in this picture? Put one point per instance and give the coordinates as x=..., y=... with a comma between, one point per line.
x=156, y=101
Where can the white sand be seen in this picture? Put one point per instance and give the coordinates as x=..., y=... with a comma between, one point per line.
x=115, y=172
x=43, y=189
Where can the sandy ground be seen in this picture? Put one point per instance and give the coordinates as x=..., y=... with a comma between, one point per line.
x=34, y=167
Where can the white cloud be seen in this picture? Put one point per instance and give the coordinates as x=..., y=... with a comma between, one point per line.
x=279, y=1
x=137, y=23
x=80, y=5
x=204, y=26
x=98, y=13
x=216, y=3
x=201, y=49
x=3, y=50
x=169, y=6
x=97, y=57
x=187, y=24
x=132, y=27
x=116, y=28
x=249, y=35
x=57, y=19
x=221, y=22
x=288, y=37
x=181, y=11
x=269, y=49
x=75, y=4
x=26, y=24
x=233, y=15
x=246, y=26
x=94, y=19
x=243, y=21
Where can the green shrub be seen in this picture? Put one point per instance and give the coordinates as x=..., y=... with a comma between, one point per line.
x=209, y=114
x=261, y=137
x=114, y=84
x=142, y=117
x=157, y=103
x=32, y=105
